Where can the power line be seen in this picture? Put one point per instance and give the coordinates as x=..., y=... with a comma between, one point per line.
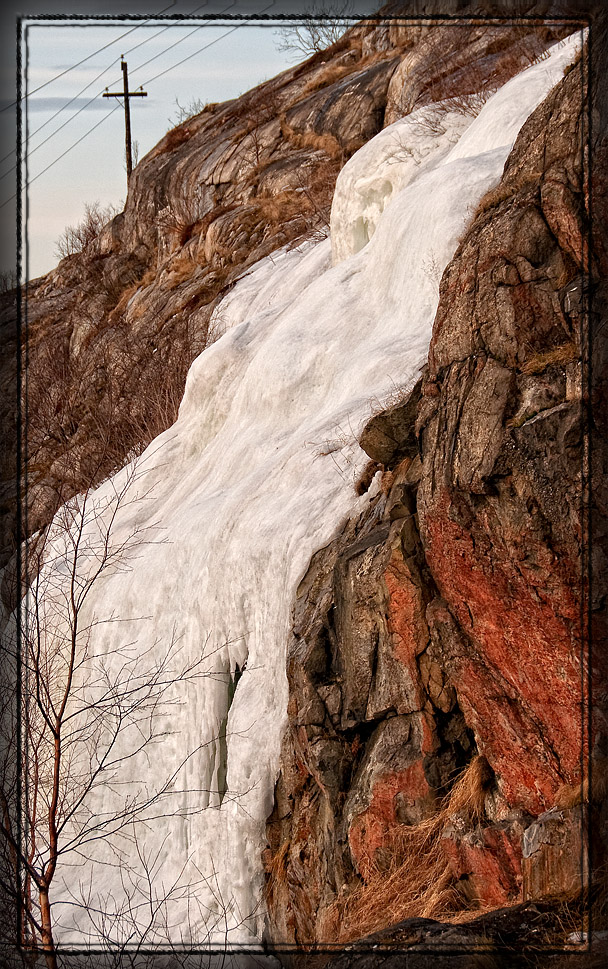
x=63, y=154
x=71, y=101
x=168, y=27
x=48, y=138
x=62, y=108
x=90, y=130
x=201, y=49
x=85, y=59
x=181, y=39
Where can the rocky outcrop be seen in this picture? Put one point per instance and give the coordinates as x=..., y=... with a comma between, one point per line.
x=438, y=682
x=502, y=939
x=113, y=330
x=432, y=760
x=501, y=428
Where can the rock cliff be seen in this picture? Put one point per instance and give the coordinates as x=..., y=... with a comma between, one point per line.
x=113, y=330
x=435, y=761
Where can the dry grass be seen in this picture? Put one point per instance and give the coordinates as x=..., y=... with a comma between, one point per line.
x=493, y=199
x=275, y=209
x=173, y=139
x=125, y=296
x=310, y=139
x=179, y=270
x=418, y=881
x=148, y=277
x=277, y=874
x=538, y=362
x=333, y=72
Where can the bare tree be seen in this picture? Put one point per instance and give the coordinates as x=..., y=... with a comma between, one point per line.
x=84, y=714
x=8, y=280
x=75, y=238
x=185, y=112
x=321, y=27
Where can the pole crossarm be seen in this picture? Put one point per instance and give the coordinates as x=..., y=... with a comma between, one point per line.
x=126, y=95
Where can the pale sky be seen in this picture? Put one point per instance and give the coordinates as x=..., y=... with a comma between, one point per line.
x=228, y=58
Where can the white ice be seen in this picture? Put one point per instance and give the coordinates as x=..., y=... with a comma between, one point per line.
x=258, y=473
x=432, y=135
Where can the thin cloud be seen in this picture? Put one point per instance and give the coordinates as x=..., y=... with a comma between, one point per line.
x=56, y=104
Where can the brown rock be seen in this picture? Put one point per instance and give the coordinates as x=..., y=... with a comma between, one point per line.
x=499, y=498
x=556, y=854
x=487, y=862
x=389, y=436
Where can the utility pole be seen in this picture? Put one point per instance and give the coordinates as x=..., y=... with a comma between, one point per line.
x=126, y=94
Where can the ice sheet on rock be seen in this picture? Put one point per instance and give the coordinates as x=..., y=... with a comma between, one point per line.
x=521, y=94
x=433, y=135
x=384, y=166
x=245, y=489
x=273, y=279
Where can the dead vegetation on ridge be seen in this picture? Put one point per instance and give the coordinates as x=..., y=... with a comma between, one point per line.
x=411, y=876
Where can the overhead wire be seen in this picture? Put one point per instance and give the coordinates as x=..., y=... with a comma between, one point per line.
x=81, y=92
x=87, y=58
x=201, y=49
x=62, y=108
x=63, y=154
x=160, y=74
x=31, y=151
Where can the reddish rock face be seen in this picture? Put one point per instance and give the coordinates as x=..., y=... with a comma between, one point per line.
x=499, y=499
x=517, y=668
x=446, y=622
x=406, y=616
x=392, y=795
x=487, y=863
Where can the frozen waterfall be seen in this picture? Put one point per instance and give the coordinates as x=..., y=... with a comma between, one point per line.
x=256, y=475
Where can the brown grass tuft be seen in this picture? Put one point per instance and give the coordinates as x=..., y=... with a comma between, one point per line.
x=493, y=198
x=310, y=139
x=419, y=881
x=173, y=139
x=125, y=296
x=538, y=362
x=569, y=795
x=180, y=269
x=333, y=72
x=467, y=797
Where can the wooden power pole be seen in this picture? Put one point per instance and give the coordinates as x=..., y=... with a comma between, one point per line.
x=126, y=94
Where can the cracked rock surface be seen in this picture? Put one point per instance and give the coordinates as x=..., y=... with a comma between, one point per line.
x=442, y=628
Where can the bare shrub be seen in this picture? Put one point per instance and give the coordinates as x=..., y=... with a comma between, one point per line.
x=8, y=280
x=75, y=238
x=184, y=113
x=318, y=30
x=85, y=717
